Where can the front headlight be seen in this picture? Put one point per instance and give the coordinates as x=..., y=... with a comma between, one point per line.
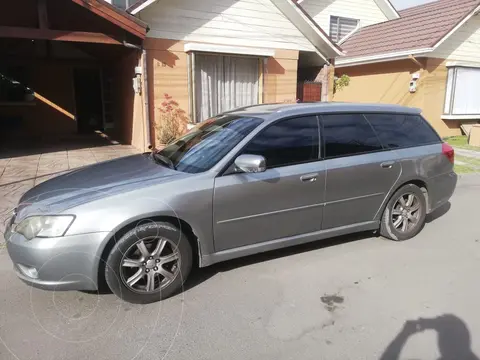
x=44, y=226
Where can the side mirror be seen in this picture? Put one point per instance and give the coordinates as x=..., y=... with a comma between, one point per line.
x=251, y=163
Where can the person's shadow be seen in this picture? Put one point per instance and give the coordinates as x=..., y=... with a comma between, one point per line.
x=453, y=338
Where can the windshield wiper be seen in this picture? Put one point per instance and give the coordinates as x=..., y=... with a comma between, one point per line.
x=158, y=158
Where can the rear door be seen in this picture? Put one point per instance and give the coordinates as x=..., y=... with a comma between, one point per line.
x=360, y=171
x=285, y=200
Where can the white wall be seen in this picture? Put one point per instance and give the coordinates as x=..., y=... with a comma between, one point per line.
x=463, y=45
x=367, y=11
x=256, y=23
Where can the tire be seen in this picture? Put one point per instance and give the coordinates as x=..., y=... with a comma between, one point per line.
x=141, y=270
x=392, y=225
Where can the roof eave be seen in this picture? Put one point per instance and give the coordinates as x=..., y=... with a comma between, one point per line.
x=371, y=59
x=139, y=6
x=309, y=28
x=456, y=27
x=388, y=9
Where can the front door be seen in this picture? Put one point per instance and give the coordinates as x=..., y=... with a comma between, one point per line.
x=285, y=200
x=360, y=173
x=88, y=100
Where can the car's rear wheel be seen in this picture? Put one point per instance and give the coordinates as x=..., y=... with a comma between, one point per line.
x=404, y=215
x=149, y=263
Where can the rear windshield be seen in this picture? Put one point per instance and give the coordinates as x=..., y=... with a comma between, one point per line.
x=208, y=142
x=400, y=131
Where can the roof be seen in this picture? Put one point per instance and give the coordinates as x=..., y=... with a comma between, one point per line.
x=326, y=48
x=274, y=111
x=419, y=28
x=116, y=16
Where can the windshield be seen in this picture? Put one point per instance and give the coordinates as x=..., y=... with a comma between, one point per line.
x=207, y=143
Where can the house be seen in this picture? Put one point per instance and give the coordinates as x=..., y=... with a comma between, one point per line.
x=428, y=58
x=215, y=55
x=341, y=19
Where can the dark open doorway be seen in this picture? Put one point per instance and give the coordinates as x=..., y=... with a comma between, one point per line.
x=88, y=100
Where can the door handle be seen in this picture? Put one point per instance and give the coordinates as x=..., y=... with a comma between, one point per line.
x=387, y=164
x=309, y=178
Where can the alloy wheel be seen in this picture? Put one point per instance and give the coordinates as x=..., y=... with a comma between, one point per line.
x=406, y=212
x=150, y=264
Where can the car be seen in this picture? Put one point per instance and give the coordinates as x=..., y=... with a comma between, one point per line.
x=246, y=181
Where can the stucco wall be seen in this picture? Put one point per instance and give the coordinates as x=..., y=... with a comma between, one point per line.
x=168, y=73
x=280, y=77
x=388, y=83
x=128, y=106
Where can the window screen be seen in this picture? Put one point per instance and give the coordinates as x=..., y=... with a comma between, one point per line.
x=287, y=142
x=348, y=134
x=341, y=27
x=399, y=131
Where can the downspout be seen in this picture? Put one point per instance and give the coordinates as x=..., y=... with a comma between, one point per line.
x=146, y=101
x=148, y=144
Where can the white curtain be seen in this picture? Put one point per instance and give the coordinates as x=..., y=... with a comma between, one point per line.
x=224, y=83
x=467, y=92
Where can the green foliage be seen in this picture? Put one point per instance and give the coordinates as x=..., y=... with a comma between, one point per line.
x=341, y=82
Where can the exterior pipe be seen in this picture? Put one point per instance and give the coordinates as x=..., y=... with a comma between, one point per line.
x=146, y=99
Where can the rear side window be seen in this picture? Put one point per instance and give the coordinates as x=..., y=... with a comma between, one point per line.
x=287, y=142
x=400, y=131
x=348, y=134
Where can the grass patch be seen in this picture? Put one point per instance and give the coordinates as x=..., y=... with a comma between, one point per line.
x=463, y=169
x=475, y=162
x=461, y=142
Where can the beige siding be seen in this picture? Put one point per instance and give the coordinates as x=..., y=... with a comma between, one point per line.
x=366, y=11
x=463, y=45
x=256, y=23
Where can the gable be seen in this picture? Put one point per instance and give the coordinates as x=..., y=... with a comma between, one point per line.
x=256, y=23
x=462, y=44
x=367, y=11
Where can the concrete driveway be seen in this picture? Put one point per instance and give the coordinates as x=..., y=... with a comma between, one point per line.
x=347, y=298
x=23, y=167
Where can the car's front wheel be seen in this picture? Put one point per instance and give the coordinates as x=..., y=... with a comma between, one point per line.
x=149, y=263
x=404, y=215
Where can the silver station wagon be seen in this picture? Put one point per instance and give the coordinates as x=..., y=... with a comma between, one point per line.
x=251, y=180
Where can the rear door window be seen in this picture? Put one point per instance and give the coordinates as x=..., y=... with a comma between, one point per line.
x=287, y=142
x=348, y=134
x=400, y=131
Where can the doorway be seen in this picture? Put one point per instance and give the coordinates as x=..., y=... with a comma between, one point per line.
x=88, y=99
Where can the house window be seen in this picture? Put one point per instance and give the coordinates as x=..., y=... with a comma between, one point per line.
x=341, y=27
x=222, y=83
x=461, y=95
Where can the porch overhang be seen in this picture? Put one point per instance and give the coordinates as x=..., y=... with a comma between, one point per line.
x=87, y=21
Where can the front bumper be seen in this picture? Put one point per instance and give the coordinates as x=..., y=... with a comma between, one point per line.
x=64, y=263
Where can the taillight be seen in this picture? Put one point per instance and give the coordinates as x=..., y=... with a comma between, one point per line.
x=449, y=152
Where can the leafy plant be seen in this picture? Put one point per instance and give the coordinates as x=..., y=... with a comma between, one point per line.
x=172, y=121
x=341, y=82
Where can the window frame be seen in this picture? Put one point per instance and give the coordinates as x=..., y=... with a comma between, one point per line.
x=451, y=101
x=338, y=20
x=227, y=170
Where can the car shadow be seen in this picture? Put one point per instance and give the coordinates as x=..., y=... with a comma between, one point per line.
x=438, y=213
x=199, y=275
